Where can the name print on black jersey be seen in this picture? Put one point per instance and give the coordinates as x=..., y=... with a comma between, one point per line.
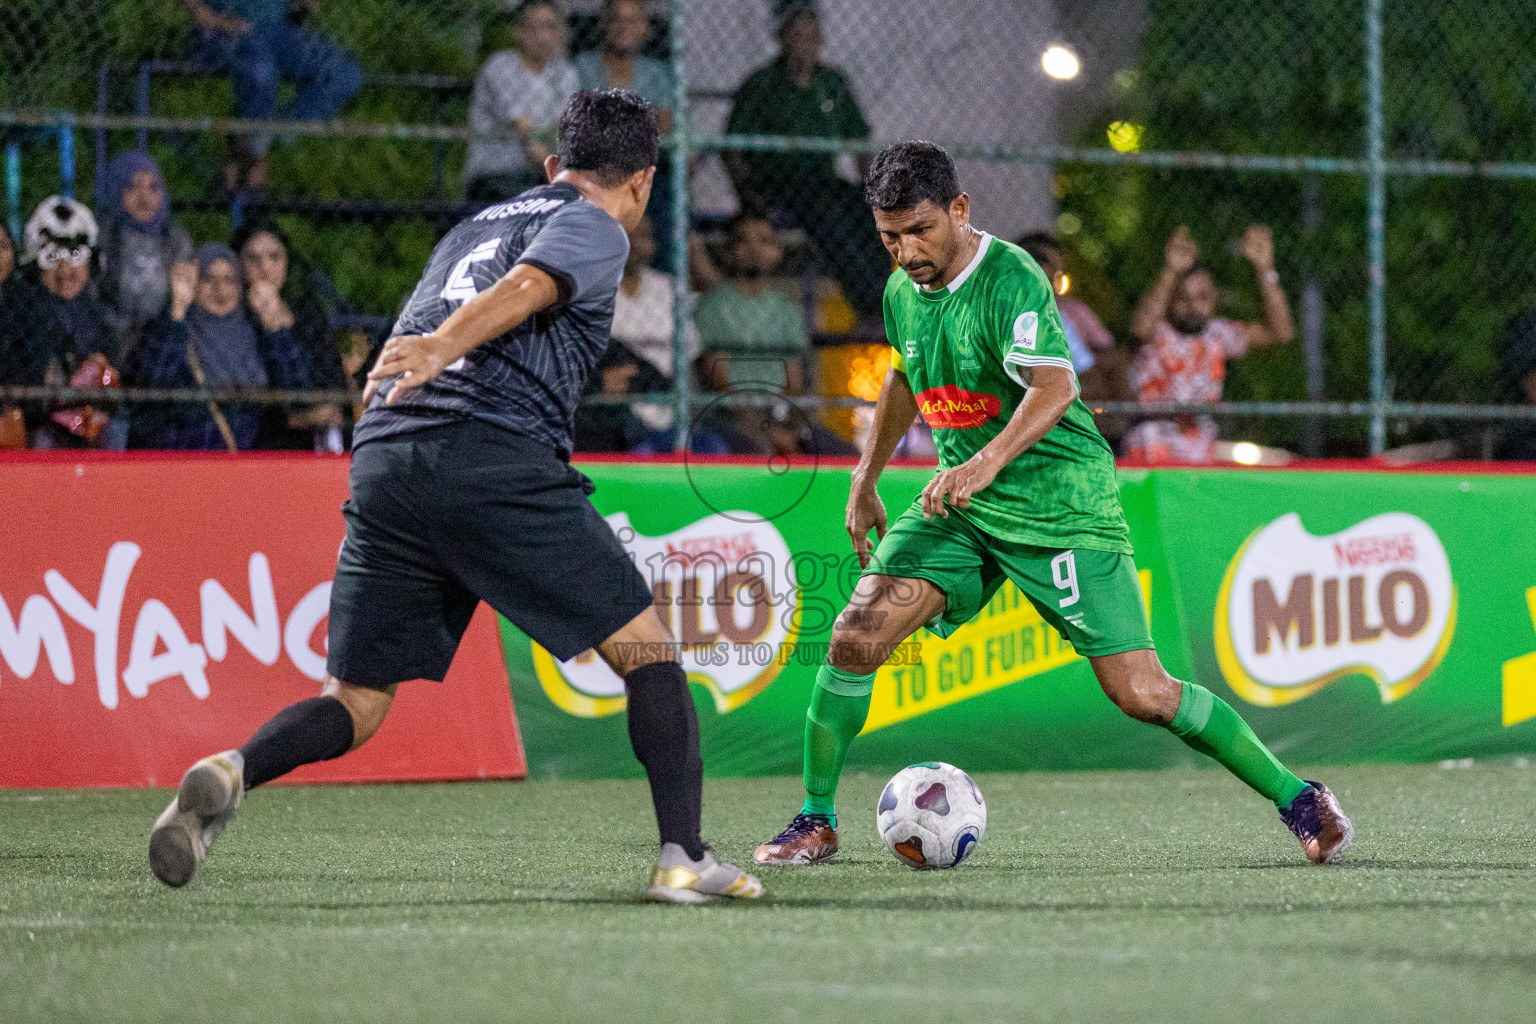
x=529, y=380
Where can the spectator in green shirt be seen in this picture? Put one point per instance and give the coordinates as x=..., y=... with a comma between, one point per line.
x=754, y=342
x=797, y=95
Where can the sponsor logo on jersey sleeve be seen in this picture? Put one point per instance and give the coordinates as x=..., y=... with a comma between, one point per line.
x=1025, y=330
x=956, y=408
x=1296, y=612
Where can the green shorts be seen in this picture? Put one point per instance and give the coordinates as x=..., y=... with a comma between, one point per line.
x=1093, y=598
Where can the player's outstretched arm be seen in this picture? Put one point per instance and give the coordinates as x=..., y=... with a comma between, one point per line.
x=893, y=417
x=1052, y=390
x=417, y=358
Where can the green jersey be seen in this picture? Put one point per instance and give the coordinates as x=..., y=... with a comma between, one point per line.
x=965, y=350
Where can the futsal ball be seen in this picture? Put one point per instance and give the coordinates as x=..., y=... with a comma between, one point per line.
x=931, y=815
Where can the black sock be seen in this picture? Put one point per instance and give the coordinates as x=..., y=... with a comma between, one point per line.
x=664, y=730
x=316, y=729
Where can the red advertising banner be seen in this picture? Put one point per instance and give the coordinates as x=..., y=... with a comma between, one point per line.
x=158, y=608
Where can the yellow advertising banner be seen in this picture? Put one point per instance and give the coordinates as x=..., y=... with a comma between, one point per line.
x=1008, y=641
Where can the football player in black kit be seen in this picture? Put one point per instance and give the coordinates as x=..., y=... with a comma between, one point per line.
x=461, y=491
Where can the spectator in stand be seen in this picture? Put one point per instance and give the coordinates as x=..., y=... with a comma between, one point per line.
x=7, y=260
x=1086, y=335
x=1517, y=371
x=309, y=359
x=13, y=428
x=1185, y=346
x=642, y=326
x=515, y=108
x=755, y=342
x=139, y=245
x=261, y=44
x=1103, y=371
x=205, y=340
x=798, y=95
x=638, y=361
x=619, y=64
x=54, y=330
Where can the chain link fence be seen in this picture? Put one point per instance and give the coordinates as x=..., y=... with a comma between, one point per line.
x=1388, y=150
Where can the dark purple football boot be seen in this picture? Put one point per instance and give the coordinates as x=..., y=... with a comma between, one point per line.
x=808, y=839
x=1316, y=819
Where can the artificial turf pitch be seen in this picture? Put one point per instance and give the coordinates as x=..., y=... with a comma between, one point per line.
x=1171, y=896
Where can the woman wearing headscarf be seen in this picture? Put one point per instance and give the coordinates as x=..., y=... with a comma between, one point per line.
x=203, y=340
x=140, y=244
x=280, y=296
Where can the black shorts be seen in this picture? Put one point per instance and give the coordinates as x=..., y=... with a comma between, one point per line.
x=442, y=518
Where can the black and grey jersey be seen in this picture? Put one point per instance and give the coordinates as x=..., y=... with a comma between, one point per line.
x=530, y=379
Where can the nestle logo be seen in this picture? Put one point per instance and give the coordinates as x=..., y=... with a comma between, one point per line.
x=1362, y=551
x=729, y=547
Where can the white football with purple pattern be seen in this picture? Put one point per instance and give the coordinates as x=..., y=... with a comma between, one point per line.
x=931, y=815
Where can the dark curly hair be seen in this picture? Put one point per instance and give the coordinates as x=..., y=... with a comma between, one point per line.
x=905, y=174
x=611, y=134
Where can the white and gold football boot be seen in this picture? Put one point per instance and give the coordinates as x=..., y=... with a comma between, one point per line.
x=680, y=879
x=210, y=792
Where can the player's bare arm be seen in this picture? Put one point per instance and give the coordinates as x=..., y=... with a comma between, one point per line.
x=417, y=358
x=1052, y=389
x=1277, y=328
x=894, y=413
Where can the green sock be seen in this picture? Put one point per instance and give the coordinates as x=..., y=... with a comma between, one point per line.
x=839, y=705
x=1208, y=724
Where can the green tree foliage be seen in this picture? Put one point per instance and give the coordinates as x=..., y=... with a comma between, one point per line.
x=1288, y=78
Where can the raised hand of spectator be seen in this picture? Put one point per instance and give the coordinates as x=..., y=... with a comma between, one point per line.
x=1259, y=247
x=210, y=20
x=183, y=288
x=616, y=379
x=268, y=305
x=1181, y=251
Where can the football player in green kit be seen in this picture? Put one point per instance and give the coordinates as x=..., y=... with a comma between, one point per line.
x=1025, y=491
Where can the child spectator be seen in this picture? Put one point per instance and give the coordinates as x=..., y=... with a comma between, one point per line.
x=203, y=340
x=54, y=330
x=278, y=299
x=516, y=104
x=139, y=246
x=261, y=44
x=1185, y=346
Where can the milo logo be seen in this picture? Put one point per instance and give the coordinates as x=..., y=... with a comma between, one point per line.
x=1296, y=612
x=725, y=588
x=956, y=408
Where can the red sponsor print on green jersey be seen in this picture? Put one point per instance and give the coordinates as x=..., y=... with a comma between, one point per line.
x=956, y=408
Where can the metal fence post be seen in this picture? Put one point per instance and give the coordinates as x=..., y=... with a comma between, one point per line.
x=681, y=371
x=1376, y=226
x=13, y=187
